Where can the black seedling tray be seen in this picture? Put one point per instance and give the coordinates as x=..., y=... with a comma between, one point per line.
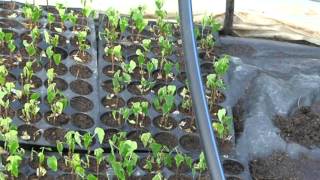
x=177, y=134
x=42, y=125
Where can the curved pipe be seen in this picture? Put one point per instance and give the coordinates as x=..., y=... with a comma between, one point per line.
x=197, y=92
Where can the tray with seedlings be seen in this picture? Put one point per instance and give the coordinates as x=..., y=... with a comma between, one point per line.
x=143, y=84
x=49, y=66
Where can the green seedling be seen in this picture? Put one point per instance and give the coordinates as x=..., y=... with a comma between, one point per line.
x=30, y=110
x=221, y=66
x=128, y=67
x=41, y=170
x=72, y=138
x=13, y=165
x=145, y=85
x=55, y=57
x=201, y=166
x=224, y=125
x=63, y=16
x=137, y=15
x=113, y=19
x=82, y=42
x=30, y=48
x=119, y=81
x=214, y=83
x=121, y=114
x=165, y=102
x=139, y=111
x=6, y=92
x=98, y=154
x=100, y=134
x=125, y=162
x=186, y=103
x=166, y=47
x=168, y=67
x=32, y=13
x=51, y=19
x=76, y=165
x=3, y=74
x=73, y=18
x=141, y=60
x=151, y=66
x=115, y=53
x=123, y=23
x=27, y=73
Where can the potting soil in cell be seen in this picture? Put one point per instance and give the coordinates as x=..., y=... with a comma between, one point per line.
x=271, y=78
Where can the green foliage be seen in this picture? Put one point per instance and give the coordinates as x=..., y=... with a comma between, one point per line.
x=100, y=133
x=13, y=164
x=165, y=99
x=123, y=23
x=166, y=47
x=30, y=110
x=30, y=48
x=224, y=126
x=113, y=18
x=120, y=80
x=72, y=138
x=52, y=163
x=82, y=40
x=137, y=15
x=3, y=74
x=221, y=66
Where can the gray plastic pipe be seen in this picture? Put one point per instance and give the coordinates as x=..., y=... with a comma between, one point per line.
x=197, y=92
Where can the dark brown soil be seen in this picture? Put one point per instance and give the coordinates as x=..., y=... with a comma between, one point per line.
x=27, y=36
x=215, y=110
x=109, y=58
x=188, y=125
x=81, y=87
x=45, y=177
x=56, y=27
x=113, y=102
x=63, y=166
x=135, y=136
x=53, y=134
x=36, y=65
x=161, y=77
x=81, y=28
x=142, y=163
x=186, y=111
x=29, y=132
x=107, y=70
x=207, y=68
x=82, y=104
x=136, y=99
x=82, y=120
x=232, y=178
x=157, y=86
x=180, y=177
x=81, y=71
x=61, y=51
x=131, y=50
x=60, y=70
x=34, y=162
x=138, y=74
x=82, y=57
x=74, y=41
x=165, y=124
x=68, y=177
x=108, y=86
x=61, y=84
x=182, y=77
x=93, y=165
x=10, y=112
x=232, y=167
x=33, y=120
x=166, y=139
x=58, y=121
x=133, y=87
x=280, y=166
x=183, y=168
x=220, y=97
x=36, y=82
x=9, y=62
x=302, y=127
x=108, y=134
x=190, y=142
x=7, y=13
x=144, y=122
x=24, y=53
x=108, y=119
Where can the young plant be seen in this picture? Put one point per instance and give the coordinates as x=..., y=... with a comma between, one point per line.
x=139, y=22
x=41, y=170
x=186, y=103
x=167, y=68
x=141, y=60
x=125, y=162
x=72, y=138
x=121, y=114
x=30, y=48
x=165, y=102
x=214, y=83
x=151, y=66
x=53, y=57
x=223, y=126
x=181, y=158
x=139, y=111
x=51, y=19
x=73, y=18
x=201, y=166
x=63, y=16
x=31, y=109
x=3, y=75
x=113, y=19
x=58, y=102
x=76, y=165
x=115, y=53
x=145, y=85
x=33, y=14
x=123, y=23
x=82, y=42
x=98, y=154
x=119, y=81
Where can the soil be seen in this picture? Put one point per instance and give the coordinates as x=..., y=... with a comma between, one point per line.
x=138, y=74
x=183, y=168
x=58, y=121
x=36, y=65
x=182, y=77
x=108, y=134
x=161, y=77
x=60, y=69
x=74, y=41
x=24, y=53
x=190, y=142
x=61, y=51
x=133, y=87
x=9, y=62
x=81, y=87
x=187, y=112
x=29, y=132
x=36, y=82
x=232, y=167
x=45, y=177
x=167, y=125
x=207, y=68
x=34, y=162
x=81, y=28
x=37, y=118
x=81, y=71
x=280, y=165
x=136, y=99
x=301, y=127
x=131, y=50
x=68, y=177
x=61, y=84
x=107, y=70
x=107, y=119
x=166, y=139
x=82, y=104
x=142, y=163
x=180, y=177
x=82, y=57
x=135, y=136
x=82, y=120
x=56, y=27
x=10, y=112
x=144, y=122
x=188, y=125
x=53, y=134
x=62, y=165
x=108, y=86
x=93, y=165
x=112, y=102
x=27, y=36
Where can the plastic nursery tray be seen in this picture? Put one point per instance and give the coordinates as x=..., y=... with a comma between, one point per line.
x=29, y=166
x=65, y=77
x=174, y=138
